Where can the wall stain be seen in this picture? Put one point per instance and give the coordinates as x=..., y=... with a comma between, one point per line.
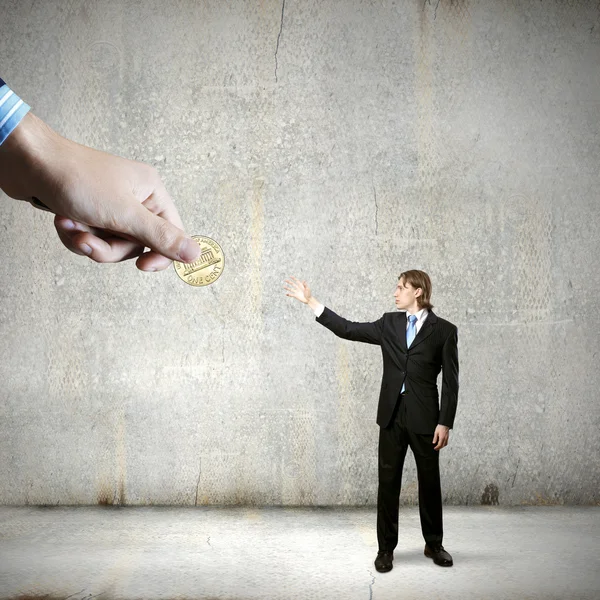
x=490, y=495
x=105, y=498
x=113, y=493
x=256, y=243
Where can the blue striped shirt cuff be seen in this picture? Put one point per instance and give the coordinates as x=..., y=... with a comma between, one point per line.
x=12, y=110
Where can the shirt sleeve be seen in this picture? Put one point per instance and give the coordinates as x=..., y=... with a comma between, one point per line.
x=318, y=310
x=12, y=110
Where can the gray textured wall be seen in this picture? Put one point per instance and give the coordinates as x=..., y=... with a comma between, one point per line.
x=341, y=141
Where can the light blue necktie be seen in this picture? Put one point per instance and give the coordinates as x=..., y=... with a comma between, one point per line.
x=411, y=333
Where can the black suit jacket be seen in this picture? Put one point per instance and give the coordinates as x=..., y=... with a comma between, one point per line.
x=433, y=349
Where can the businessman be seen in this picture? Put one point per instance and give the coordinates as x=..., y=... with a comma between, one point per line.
x=416, y=344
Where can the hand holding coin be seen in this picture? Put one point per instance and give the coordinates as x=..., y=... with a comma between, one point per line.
x=107, y=207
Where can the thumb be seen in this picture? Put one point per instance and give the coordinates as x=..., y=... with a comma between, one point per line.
x=162, y=236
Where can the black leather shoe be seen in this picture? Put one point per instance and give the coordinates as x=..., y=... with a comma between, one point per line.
x=439, y=555
x=383, y=562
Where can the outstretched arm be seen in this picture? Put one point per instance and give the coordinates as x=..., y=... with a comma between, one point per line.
x=369, y=333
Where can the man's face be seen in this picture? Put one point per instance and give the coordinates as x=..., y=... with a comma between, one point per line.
x=405, y=295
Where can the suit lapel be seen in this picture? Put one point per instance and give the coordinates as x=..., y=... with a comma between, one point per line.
x=402, y=331
x=425, y=331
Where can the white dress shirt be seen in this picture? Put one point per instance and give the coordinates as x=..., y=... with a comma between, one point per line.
x=421, y=318
x=318, y=310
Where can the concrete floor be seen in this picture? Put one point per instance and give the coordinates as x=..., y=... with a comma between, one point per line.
x=277, y=553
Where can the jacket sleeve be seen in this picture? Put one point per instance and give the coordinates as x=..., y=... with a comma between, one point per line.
x=449, y=398
x=370, y=333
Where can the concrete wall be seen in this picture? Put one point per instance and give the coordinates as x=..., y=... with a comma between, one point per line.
x=343, y=142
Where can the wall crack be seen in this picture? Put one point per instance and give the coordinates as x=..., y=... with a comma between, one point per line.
x=198, y=481
x=279, y=37
x=434, y=10
x=515, y=475
x=376, y=210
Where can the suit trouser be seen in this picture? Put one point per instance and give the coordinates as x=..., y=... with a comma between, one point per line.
x=394, y=441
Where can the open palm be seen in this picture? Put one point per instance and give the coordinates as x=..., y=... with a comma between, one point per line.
x=297, y=289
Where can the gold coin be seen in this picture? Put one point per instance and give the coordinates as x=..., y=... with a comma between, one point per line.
x=207, y=268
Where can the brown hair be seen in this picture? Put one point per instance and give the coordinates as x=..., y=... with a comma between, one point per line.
x=419, y=279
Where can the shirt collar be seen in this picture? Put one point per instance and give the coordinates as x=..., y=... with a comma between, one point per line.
x=420, y=314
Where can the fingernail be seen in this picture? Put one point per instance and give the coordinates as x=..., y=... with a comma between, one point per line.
x=86, y=249
x=189, y=250
x=68, y=224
